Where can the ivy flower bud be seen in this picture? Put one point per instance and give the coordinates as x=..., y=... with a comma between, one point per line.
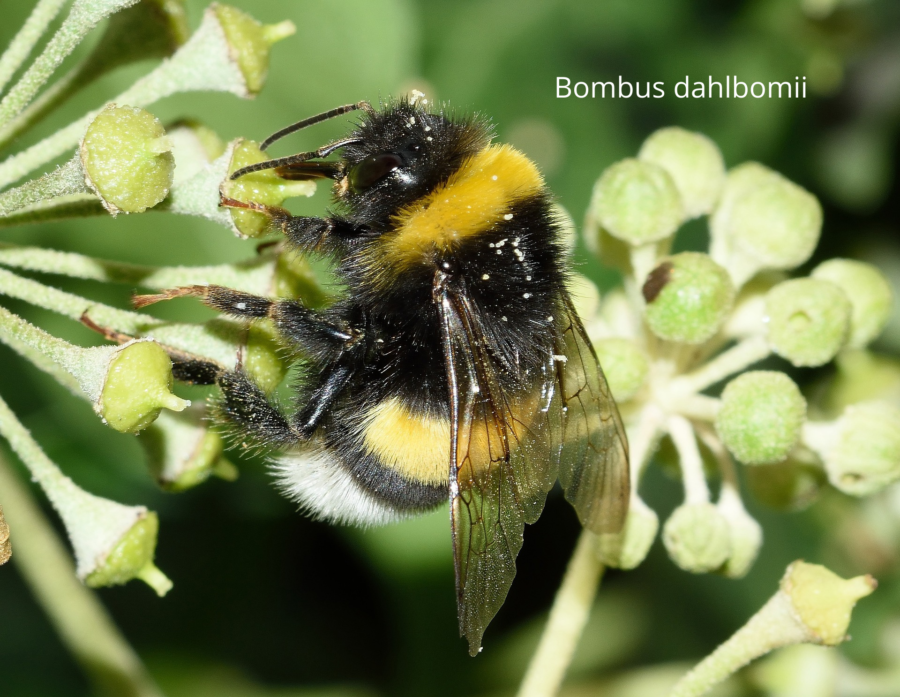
x=808, y=320
x=697, y=537
x=688, y=297
x=746, y=534
x=637, y=202
x=182, y=451
x=132, y=557
x=869, y=294
x=127, y=159
x=113, y=543
x=813, y=605
x=250, y=42
x=625, y=364
x=861, y=450
x=823, y=600
x=694, y=162
x=761, y=416
x=763, y=221
x=137, y=386
x=126, y=384
x=264, y=187
x=264, y=358
x=627, y=549
x=5, y=547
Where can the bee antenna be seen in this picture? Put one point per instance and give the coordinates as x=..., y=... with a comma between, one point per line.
x=324, y=151
x=312, y=120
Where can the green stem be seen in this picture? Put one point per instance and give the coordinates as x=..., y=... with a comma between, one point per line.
x=772, y=627
x=79, y=618
x=63, y=181
x=30, y=33
x=50, y=98
x=735, y=359
x=203, y=63
x=74, y=306
x=685, y=441
x=83, y=17
x=254, y=276
x=567, y=619
x=61, y=208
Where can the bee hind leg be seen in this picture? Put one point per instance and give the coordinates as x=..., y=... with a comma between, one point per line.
x=246, y=409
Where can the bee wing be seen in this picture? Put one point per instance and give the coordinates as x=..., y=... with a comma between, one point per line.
x=593, y=466
x=502, y=464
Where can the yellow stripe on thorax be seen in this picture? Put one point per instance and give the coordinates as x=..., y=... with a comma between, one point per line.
x=474, y=198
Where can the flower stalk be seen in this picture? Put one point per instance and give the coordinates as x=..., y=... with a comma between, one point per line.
x=568, y=616
x=113, y=543
x=79, y=617
x=813, y=605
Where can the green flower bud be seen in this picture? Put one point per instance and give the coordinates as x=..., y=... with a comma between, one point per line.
x=182, y=451
x=862, y=450
x=761, y=416
x=763, y=221
x=132, y=558
x=264, y=358
x=791, y=485
x=627, y=549
x=625, y=365
x=746, y=534
x=138, y=385
x=127, y=159
x=264, y=187
x=808, y=322
x=697, y=537
x=688, y=297
x=637, y=202
x=5, y=547
x=869, y=294
x=823, y=600
x=250, y=42
x=812, y=605
x=694, y=162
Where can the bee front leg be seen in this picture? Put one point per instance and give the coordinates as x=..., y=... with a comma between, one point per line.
x=305, y=233
x=305, y=329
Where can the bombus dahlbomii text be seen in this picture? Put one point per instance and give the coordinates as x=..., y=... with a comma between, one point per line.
x=454, y=365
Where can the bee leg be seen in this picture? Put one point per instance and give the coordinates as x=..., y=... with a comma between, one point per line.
x=305, y=329
x=247, y=409
x=226, y=300
x=323, y=235
x=306, y=420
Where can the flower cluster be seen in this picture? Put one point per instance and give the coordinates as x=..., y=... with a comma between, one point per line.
x=126, y=161
x=686, y=324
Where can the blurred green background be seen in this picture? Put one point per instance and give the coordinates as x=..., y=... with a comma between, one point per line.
x=269, y=603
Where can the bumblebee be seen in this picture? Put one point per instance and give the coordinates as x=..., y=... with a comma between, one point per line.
x=454, y=365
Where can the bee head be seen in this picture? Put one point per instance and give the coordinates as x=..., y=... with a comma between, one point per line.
x=399, y=154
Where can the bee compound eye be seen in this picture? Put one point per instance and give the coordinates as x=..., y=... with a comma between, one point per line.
x=373, y=169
